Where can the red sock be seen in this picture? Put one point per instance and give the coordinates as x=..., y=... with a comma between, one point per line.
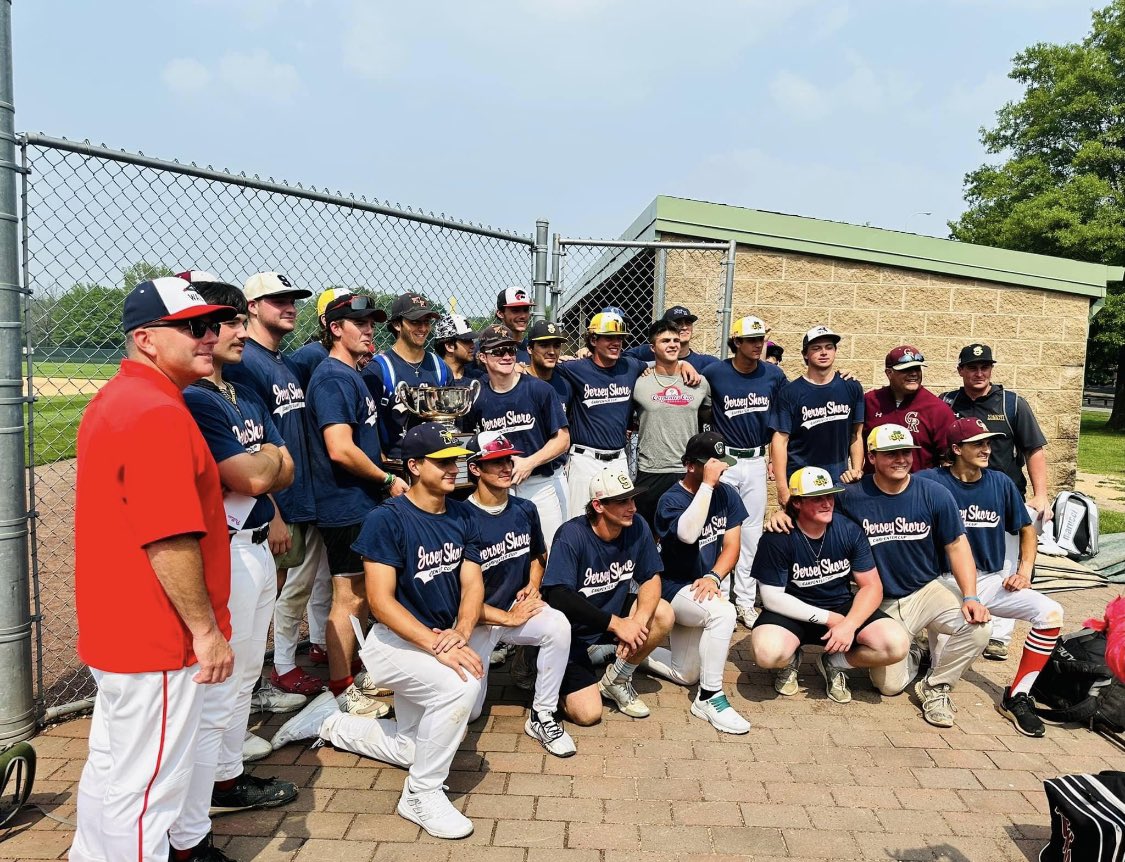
x=1040, y=644
x=337, y=686
x=181, y=855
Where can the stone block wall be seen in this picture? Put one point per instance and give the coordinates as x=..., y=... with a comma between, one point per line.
x=1037, y=336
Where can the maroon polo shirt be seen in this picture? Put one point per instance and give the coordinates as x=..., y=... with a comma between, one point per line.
x=923, y=414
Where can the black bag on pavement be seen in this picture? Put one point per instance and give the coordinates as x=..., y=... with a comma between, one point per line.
x=1068, y=688
x=1087, y=818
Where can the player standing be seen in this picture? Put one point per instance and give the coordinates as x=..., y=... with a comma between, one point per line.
x=453, y=342
x=513, y=310
x=683, y=321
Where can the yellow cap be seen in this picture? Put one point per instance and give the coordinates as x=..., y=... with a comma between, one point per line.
x=749, y=327
x=605, y=323
x=890, y=438
x=329, y=295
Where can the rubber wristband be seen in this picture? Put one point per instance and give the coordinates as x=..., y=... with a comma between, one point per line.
x=390, y=480
x=971, y=599
x=718, y=581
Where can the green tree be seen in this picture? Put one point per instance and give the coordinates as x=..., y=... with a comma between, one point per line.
x=1060, y=189
x=144, y=271
x=88, y=316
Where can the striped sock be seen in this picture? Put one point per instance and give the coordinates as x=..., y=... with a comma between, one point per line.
x=1038, y=648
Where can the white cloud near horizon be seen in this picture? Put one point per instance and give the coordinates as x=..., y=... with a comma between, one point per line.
x=253, y=74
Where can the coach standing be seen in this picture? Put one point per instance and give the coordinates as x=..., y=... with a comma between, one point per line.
x=151, y=549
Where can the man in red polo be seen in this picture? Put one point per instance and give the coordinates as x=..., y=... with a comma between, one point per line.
x=905, y=401
x=152, y=577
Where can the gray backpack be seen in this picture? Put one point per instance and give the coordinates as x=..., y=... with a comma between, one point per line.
x=1076, y=525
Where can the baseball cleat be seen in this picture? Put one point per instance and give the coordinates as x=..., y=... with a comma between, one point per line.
x=297, y=681
x=544, y=727
x=622, y=693
x=785, y=679
x=835, y=680
x=306, y=724
x=434, y=812
x=254, y=748
x=499, y=655
x=249, y=792
x=721, y=714
x=269, y=698
x=1018, y=710
x=937, y=706
x=355, y=702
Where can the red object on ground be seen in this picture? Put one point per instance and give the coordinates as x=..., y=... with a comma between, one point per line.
x=1113, y=624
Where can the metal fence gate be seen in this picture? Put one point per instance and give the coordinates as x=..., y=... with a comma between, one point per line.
x=642, y=279
x=96, y=221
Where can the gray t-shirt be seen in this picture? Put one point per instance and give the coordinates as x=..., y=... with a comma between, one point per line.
x=669, y=417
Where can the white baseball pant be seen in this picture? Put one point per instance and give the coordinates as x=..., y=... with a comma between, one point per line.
x=550, y=631
x=698, y=643
x=748, y=478
x=308, y=584
x=142, y=753
x=582, y=467
x=1041, y=611
x=226, y=706
x=432, y=708
x=548, y=493
x=935, y=607
x=1004, y=627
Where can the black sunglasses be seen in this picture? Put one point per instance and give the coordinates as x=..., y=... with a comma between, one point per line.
x=198, y=327
x=507, y=350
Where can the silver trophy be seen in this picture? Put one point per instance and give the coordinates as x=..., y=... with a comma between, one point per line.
x=443, y=404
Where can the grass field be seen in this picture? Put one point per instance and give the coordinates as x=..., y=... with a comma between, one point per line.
x=1102, y=451
x=75, y=370
x=56, y=425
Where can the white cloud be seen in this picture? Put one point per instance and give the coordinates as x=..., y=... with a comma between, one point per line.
x=865, y=90
x=254, y=74
x=185, y=76
x=367, y=48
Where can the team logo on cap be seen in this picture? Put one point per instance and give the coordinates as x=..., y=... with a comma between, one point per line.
x=756, y=326
x=978, y=350
x=551, y=327
x=981, y=425
x=284, y=280
x=821, y=480
x=896, y=435
x=720, y=448
x=446, y=436
x=520, y=296
x=911, y=356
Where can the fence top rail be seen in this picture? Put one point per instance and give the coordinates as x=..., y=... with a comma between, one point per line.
x=102, y=152
x=632, y=243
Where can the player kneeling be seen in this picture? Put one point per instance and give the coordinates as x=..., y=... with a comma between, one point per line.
x=806, y=577
x=421, y=560
x=698, y=521
x=512, y=560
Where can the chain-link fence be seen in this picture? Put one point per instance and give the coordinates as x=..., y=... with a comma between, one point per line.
x=642, y=279
x=97, y=221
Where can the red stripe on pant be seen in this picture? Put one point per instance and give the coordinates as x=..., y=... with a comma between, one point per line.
x=155, y=772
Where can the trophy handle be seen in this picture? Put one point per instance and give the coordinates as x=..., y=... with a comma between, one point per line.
x=402, y=391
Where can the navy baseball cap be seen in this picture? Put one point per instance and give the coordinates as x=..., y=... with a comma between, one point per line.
x=412, y=306
x=680, y=312
x=431, y=440
x=167, y=298
x=975, y=353
x=354, y=306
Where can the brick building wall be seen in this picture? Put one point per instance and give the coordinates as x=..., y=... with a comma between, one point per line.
x=1038, y=336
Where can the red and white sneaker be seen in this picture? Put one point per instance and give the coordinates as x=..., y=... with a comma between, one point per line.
x=297, y=681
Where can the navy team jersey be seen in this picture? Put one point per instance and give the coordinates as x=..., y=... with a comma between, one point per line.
x=740, y=403
x=270, y=376
x=234, y=430
x=600, y=400
x=426, y=551
x=683, y=563
x=529, y=414
x=562, y=390
x=698, y=361
x=905, y=530
x=339, y=396
x=305, y=359
x=393, y=369
x=822, y=579
x=818, y=420
x=508, y=543
x=991, y=507
x=601, y=571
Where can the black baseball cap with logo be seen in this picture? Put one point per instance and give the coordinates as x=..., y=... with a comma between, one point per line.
x=707, y=445
x=431, y=440
x=680, y=313
x=975, y=353
x=545, y=330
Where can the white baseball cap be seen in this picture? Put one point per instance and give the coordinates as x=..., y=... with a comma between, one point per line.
x=263, y=284
x=612, y=484
x=890, y=438
x=812, y=482
x=749, y=327
x=818, y=332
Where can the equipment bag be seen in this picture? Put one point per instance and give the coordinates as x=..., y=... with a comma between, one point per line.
x=1076, y=524
x=1087, y=818
x=1068, y=687
x=17, y=775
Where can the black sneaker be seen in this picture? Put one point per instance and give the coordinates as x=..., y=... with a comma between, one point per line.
x=204, y=851
x=252, y=792
x=1019, y=711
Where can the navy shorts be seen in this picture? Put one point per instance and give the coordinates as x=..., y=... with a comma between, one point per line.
x=342, y=560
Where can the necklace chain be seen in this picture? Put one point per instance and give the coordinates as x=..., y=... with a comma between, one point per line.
x=808, y=544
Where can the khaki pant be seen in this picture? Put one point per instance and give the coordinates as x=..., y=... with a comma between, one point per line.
x=937, y=608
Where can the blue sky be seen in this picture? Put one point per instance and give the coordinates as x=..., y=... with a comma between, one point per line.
x=580, y=111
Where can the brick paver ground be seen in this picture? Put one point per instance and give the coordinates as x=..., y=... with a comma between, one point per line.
x=812, y=780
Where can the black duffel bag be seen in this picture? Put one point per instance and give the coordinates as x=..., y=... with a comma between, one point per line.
x=1087, y=818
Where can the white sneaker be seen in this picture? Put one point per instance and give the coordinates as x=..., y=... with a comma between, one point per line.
x=355, y=702
x=306, y=724
x=434, y=812
x=624, y=695
x=551, y=735
x=366, y=684
x=499, y=655
x=721, y=714
x=602, y=653
x=254, y=748
x=270, y=698
x=746, y=614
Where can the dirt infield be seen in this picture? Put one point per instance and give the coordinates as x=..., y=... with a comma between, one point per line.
x=50, y=387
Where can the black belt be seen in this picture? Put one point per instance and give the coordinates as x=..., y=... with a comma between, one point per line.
x=755, y=452
x=601, y=456
x=259, y=535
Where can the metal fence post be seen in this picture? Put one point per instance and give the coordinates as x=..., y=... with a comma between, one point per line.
x=556, y=288
x=728, y=300
x=661, y=281
x=17, y=705
x=539, y=279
